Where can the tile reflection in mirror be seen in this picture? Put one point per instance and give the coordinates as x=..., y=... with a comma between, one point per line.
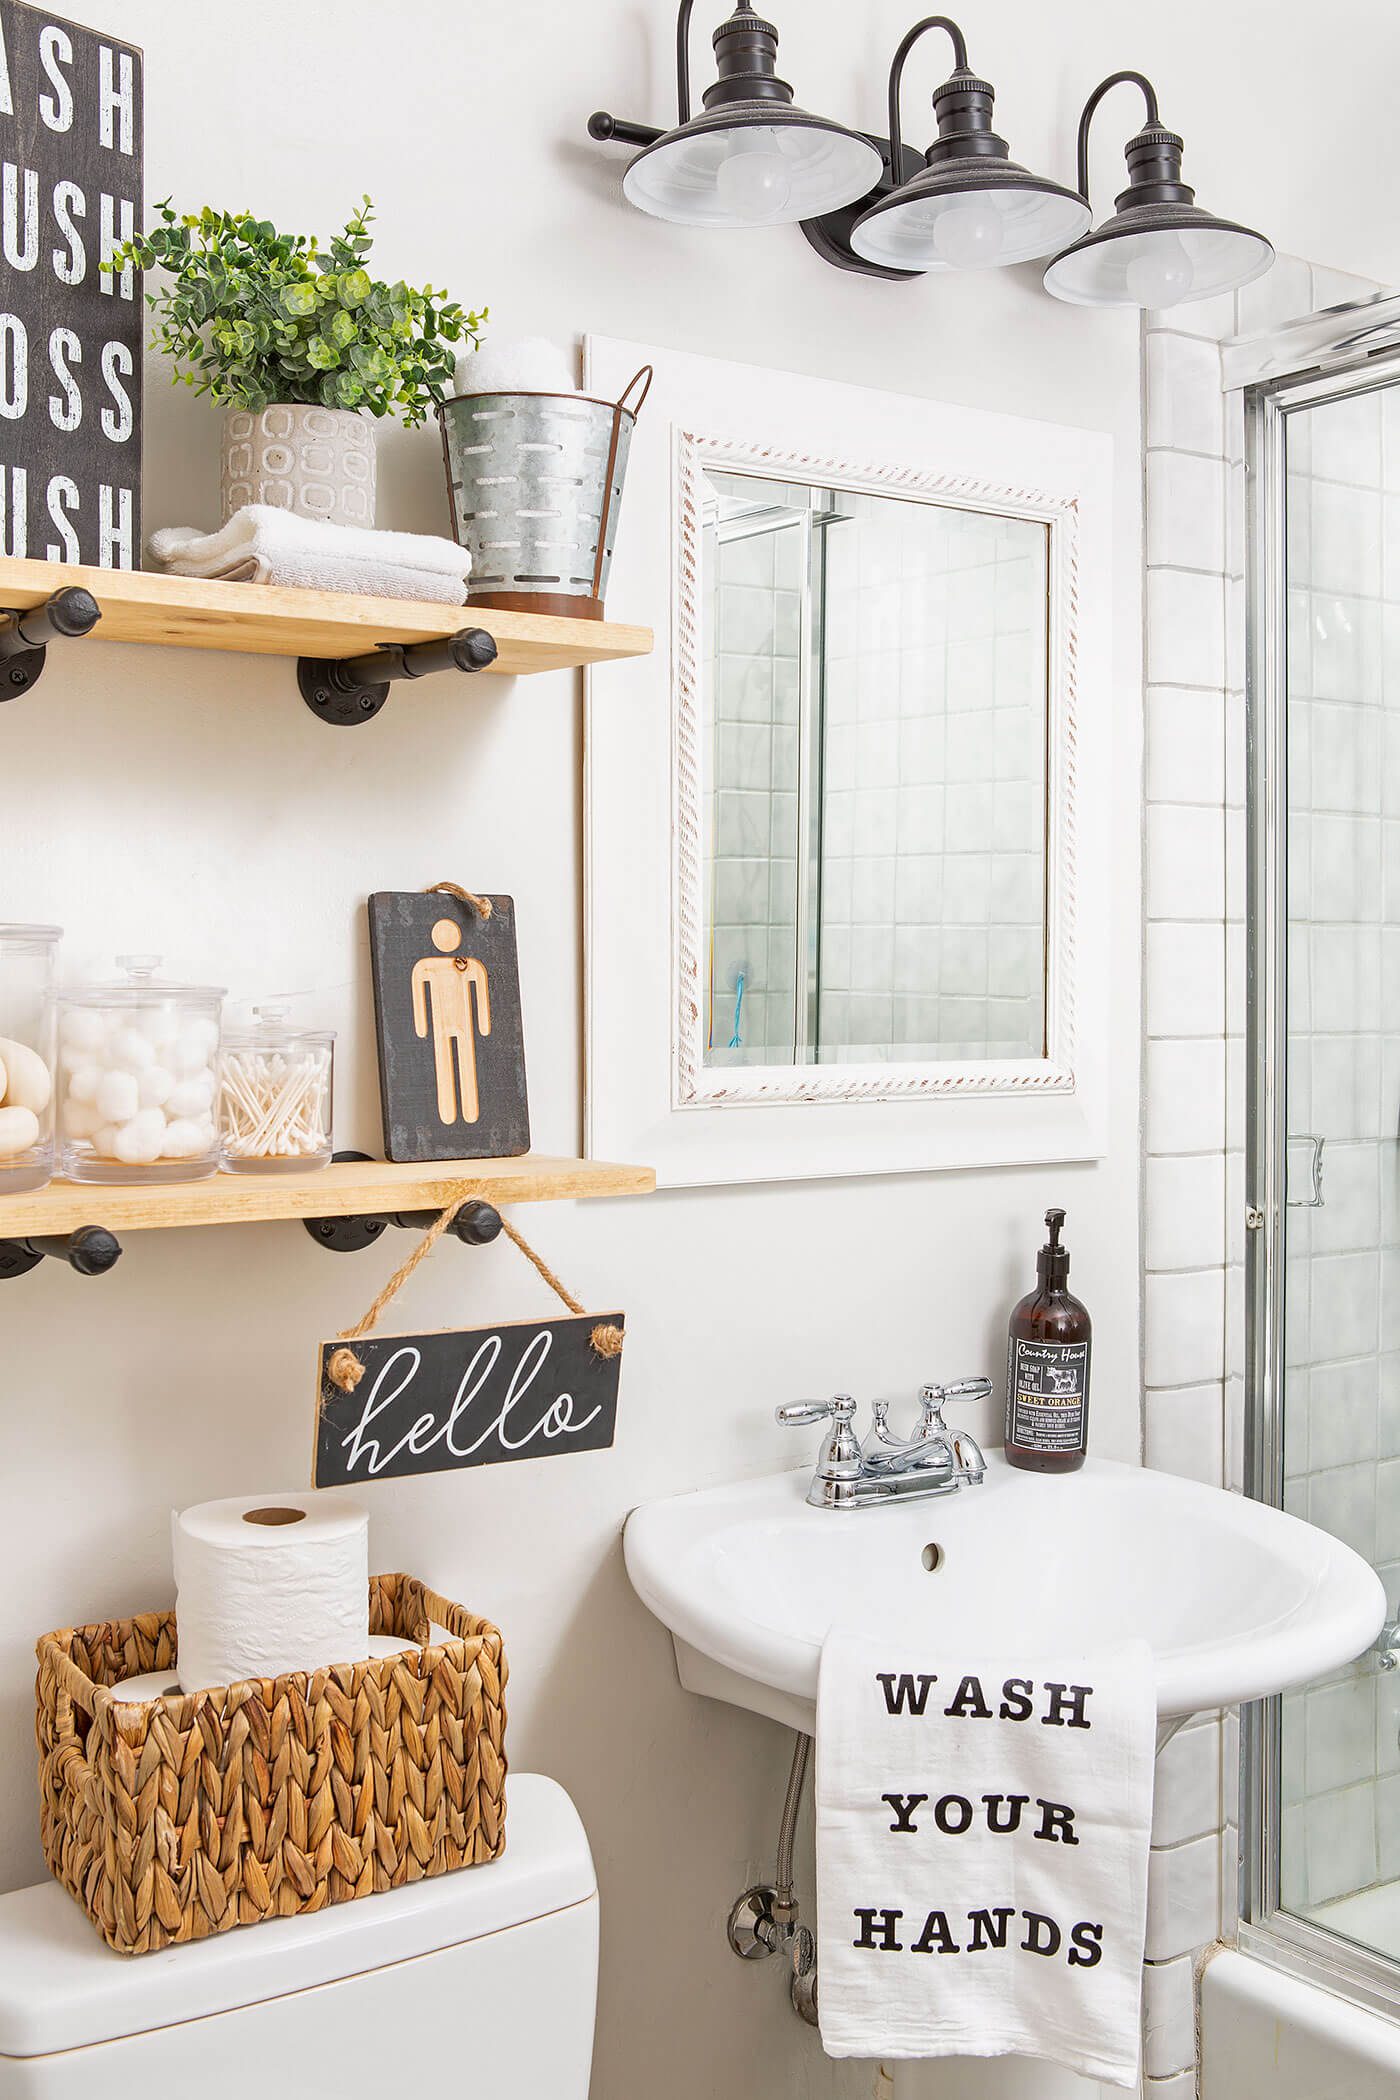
x=876, y=715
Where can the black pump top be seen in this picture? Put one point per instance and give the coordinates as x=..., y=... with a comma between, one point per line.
x=1052, y=1262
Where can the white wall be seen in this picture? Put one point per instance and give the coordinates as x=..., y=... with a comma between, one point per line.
x=161, y=800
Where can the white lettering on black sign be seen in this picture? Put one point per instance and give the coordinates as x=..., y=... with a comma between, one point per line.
x=436, y=1403
x=70, y=333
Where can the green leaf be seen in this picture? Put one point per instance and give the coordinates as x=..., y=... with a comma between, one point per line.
x=299, y=298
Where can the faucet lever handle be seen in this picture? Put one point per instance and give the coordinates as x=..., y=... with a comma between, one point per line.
x=840, y=1408
x=934, y=1398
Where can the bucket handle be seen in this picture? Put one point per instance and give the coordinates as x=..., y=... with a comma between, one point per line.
x=646, y=376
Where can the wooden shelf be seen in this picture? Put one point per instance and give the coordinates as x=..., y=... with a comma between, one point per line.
x=262, y=619
x=364, y=1189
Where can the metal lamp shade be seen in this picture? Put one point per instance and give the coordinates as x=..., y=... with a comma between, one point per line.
x=760, y=163
x=1158, y=255
x=970, y=213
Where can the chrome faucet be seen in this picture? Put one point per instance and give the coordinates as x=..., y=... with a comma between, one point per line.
x=934, y=1461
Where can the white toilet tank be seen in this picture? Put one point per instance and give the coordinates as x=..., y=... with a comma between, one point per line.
x=481, y=1983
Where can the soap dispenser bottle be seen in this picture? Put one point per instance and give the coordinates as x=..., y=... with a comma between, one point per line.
x=1047, y=1368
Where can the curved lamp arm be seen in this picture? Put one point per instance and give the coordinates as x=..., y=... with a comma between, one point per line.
x=920, y=29
x=603, y=126
x=1114, y=80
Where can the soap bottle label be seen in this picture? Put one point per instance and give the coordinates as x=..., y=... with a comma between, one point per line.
x=1047, y=1391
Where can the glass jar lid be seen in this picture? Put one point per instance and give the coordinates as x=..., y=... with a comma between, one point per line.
x=140, y=986
x=29, y=936
x=270, y=1030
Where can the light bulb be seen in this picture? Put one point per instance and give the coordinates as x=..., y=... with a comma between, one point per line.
x=967, y=236
x=1160, y=273
x=752, y=182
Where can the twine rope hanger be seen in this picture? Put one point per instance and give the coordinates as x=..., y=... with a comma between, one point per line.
x=345, y=1369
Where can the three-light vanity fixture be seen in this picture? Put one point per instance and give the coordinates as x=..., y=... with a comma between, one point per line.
x=752, y=157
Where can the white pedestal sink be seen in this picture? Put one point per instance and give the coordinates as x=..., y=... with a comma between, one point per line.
x=1236, y=1600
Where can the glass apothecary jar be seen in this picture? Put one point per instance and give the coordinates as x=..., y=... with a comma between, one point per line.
x=275, y=1086
x=137, y=1077
x=27, y=958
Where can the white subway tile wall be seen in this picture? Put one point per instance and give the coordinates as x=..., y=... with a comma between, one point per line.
x=933, y=904
x=892, y=655
x=1194, y=1079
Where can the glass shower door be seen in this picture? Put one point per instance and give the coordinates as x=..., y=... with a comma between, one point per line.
x=1325, y=717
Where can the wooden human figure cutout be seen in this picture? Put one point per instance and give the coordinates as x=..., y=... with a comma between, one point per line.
x=447, y=1007
x=452, y=1004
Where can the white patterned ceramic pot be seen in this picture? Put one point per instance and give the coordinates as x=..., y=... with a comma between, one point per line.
x=318, y=462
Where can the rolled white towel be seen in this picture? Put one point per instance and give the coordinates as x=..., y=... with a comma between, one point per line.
x=262, y=533
x=530, y=365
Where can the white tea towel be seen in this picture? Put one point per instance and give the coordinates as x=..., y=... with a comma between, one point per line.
x=262, y=544
x=982, y=1839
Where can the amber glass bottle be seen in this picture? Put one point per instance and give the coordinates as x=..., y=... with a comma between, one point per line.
x=1047, y=1368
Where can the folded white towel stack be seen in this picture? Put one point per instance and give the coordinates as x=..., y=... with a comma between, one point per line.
x=982, y=1840
x=531, y=365
x=261, y=544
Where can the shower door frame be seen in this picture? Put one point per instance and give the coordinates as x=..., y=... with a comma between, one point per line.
x=1344, y=360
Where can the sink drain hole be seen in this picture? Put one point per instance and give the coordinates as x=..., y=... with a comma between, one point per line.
x=932, y=1557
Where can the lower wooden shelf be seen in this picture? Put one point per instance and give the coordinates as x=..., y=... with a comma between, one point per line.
x=347, y=1190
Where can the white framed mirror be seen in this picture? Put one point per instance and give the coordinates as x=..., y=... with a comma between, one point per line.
x=846, y=884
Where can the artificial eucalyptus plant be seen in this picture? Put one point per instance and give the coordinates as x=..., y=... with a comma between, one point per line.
x=252, y=316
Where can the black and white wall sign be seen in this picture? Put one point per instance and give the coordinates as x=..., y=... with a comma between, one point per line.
x=438, y=1403
x=70, y=332
x=451, y=1039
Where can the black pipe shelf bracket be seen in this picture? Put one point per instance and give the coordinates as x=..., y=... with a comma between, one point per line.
x=347, y=691
x=25, y=636
x=90, y=1250
x=476, y=1224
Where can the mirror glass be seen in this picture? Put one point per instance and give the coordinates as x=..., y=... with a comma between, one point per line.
x=876, y=726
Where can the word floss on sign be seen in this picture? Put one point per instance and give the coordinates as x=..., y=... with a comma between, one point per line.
x=70, y=331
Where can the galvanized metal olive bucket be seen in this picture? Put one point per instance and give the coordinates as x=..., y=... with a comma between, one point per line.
x=535, y=482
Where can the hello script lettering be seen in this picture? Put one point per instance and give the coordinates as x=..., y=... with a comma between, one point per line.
x=996, y=1927
x=434, y=1403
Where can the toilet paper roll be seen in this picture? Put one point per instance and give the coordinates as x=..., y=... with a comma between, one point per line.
x=268, y=1584
x=164, y=1684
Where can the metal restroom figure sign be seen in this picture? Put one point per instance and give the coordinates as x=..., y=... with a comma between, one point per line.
x=451, y=1041
x=70, y=329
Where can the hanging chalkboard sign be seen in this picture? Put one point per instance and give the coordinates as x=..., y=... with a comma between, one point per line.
x=451, y=1041
x=70, y=332
x=440, y=1403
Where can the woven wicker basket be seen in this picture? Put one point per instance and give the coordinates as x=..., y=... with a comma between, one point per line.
x=195, y=1813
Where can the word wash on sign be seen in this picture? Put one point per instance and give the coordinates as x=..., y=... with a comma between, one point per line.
x=70, y=331
x=996, y=1927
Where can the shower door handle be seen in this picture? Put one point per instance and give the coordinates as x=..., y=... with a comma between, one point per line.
x=1315, y=1201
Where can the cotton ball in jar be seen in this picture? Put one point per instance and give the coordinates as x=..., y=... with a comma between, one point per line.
x=81, y=1119
x=130, y=1050
x=191, y=1050
x=104, y=1140
x=158, y=1024
x=154, y=1086
x=84, y=1082
x=84, y=1028
x=183, y=1139
x=138, y=1142
x=117, y=1096
x=191, y=1097
x=28, y=1081
x=19, y=1129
